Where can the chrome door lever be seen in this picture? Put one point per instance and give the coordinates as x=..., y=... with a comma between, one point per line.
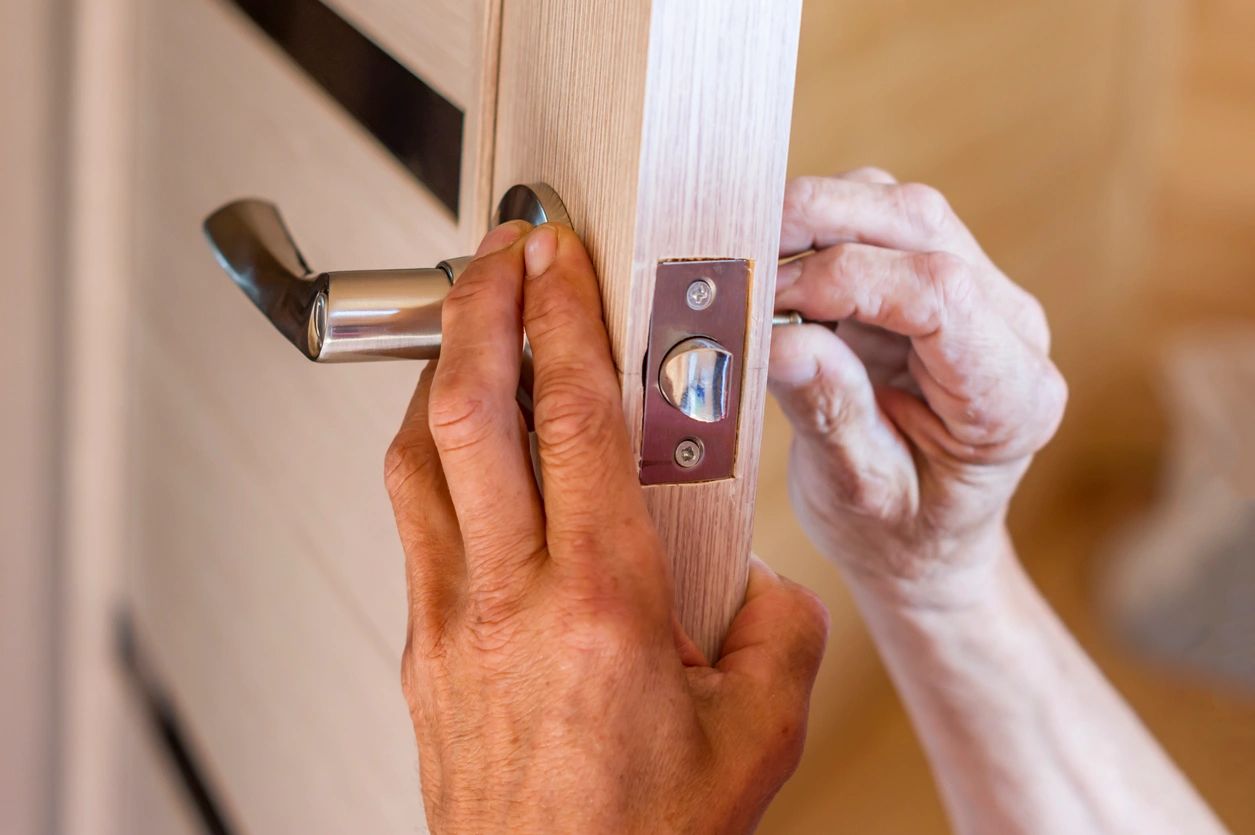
x=353, y=315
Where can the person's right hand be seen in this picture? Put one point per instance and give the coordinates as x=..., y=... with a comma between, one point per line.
x=915, y=422
x=549, y=683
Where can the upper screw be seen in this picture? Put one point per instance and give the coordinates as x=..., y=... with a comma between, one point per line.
x=700, y=294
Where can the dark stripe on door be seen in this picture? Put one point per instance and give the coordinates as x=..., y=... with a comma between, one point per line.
x=165, y=726
x=421, y=128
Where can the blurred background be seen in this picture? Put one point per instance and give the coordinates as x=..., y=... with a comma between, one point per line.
x=1104, y=154
x=1103, y=151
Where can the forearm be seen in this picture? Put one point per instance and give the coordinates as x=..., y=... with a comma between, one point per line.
x=1023, y=732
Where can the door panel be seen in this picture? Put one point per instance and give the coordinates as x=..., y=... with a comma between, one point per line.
x=267, y=579
x=152, y=800
x=438, y=39
x=230, y=117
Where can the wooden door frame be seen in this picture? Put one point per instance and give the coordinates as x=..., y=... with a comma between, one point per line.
x=94, y=240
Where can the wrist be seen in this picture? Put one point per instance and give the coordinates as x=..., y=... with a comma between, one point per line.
x=992, y=622
x=965, y=575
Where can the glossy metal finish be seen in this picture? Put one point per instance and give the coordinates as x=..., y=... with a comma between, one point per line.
x=352, y=316
x=254, y=247
x=383, y=314
x=329, y=317
x=695, y=377
x=535, y=203
x=693, y=371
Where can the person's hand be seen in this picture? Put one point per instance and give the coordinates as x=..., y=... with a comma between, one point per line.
x=548, y=684
x=915, y=421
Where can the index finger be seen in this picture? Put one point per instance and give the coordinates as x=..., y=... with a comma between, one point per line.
x=820, y=212
x=976, y=372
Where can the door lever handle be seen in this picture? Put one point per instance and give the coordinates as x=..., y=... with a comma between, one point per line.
x=351, y=315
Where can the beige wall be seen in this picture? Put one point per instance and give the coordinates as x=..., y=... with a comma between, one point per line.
x=28, y=351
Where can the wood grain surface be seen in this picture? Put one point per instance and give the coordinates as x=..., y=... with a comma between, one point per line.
x=665, y=130
x=265, y=574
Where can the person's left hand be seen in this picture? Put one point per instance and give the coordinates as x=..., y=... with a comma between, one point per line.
x=549, y=688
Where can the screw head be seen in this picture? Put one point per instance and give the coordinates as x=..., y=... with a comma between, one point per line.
x=700, y=294
x=689, y=453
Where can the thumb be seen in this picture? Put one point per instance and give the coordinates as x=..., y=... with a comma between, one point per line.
x=762, y=683
x=841, y=430
x=778, y=638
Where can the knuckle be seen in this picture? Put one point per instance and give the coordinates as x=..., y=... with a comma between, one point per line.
x=944, y=270
x=493, y=622
x=924, y=207
x=463, y=296
x=846, y=260
x=869, y=494
x=601, y=622
x=1054, y=398
x=458, y=415
x=578, y=535
x=405, y=464
x=799, y=195
x=572, y=415
x=419, y=660
x=610, y=607
x=872, y=173
x=852, y=485
x=1036, y=323
x=813, y=616
x=950, y=279
x=409, y=678
x=811, y=623
x=821, y=407
x=987, y=420
x=552, y=310
x=502, y=554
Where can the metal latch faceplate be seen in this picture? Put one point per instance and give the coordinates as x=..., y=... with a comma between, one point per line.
x=694, y=368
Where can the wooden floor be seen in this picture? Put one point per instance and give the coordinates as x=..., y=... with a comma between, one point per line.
x=1105, y=154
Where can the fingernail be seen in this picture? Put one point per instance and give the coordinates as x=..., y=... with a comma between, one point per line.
x=501, y=237
x=540, y=250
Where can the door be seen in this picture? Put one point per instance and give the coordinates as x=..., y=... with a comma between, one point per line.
x=265, y=591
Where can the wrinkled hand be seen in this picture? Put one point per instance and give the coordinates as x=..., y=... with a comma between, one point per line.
x=916, y=420
x=548, y=684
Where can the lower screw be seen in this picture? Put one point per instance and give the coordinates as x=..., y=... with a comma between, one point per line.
x=689, y=453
